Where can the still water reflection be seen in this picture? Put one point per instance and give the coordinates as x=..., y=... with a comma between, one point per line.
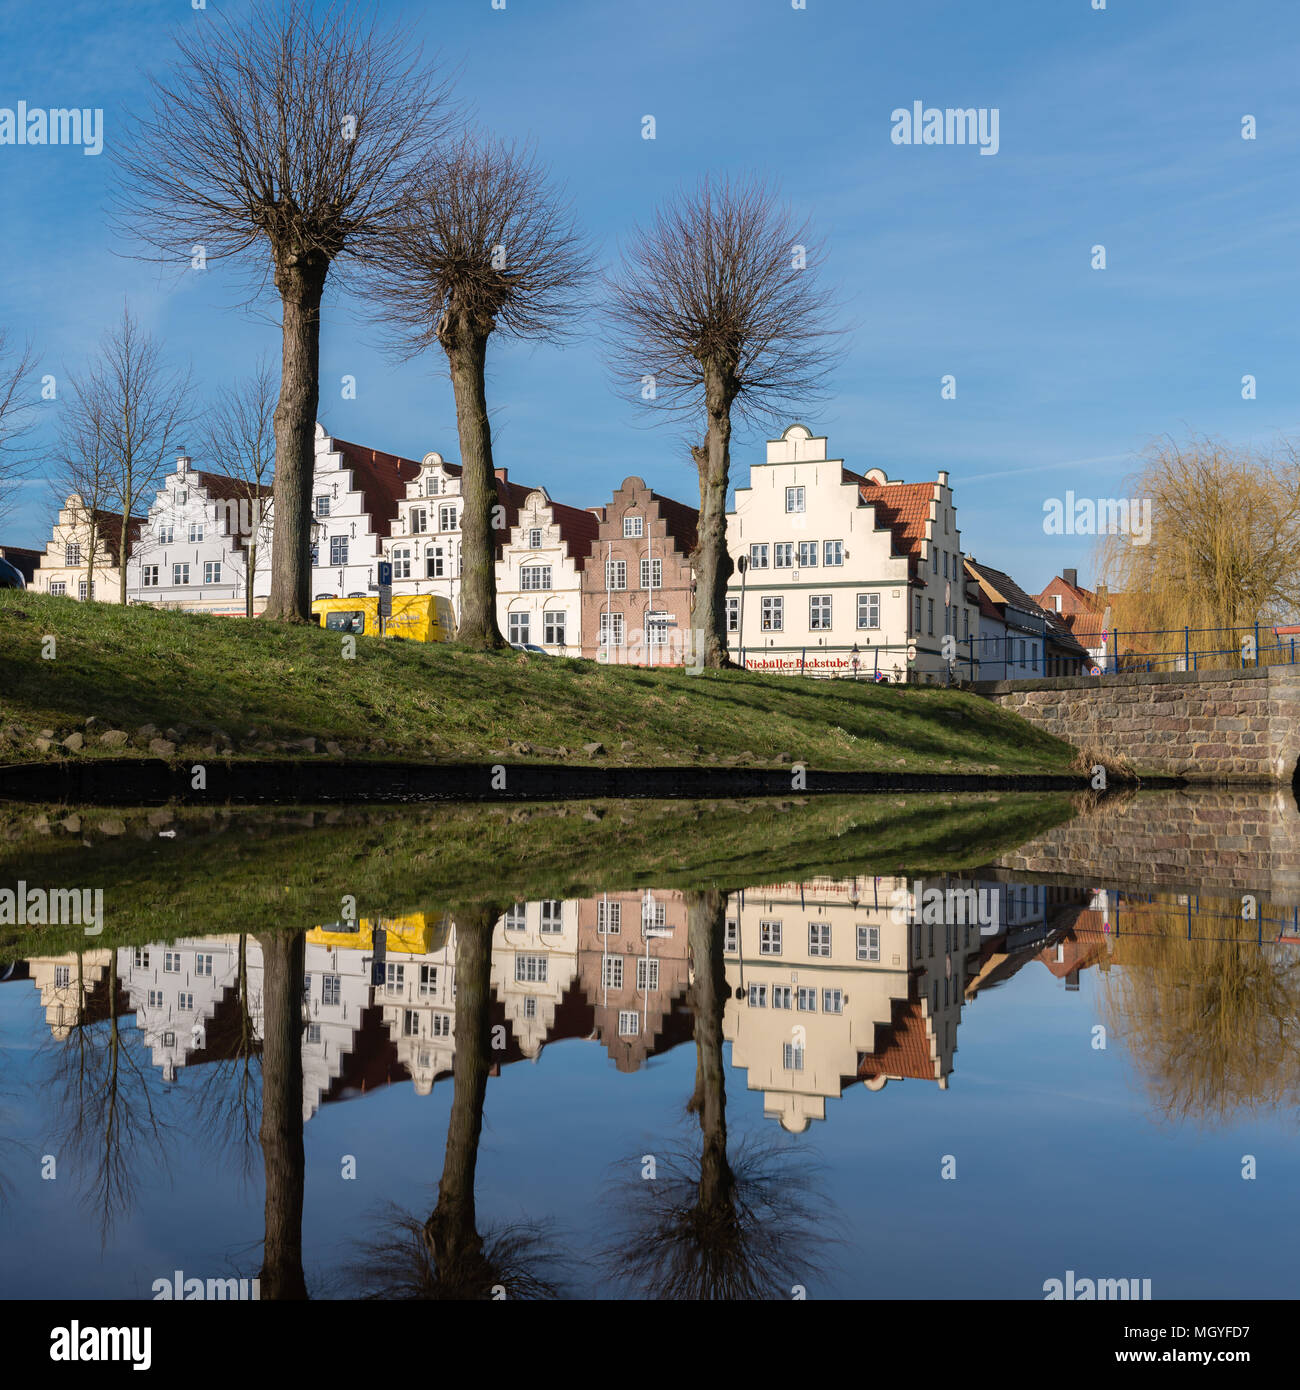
x=686, y=1091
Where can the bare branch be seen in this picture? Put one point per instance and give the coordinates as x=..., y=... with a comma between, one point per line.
x=18, y=406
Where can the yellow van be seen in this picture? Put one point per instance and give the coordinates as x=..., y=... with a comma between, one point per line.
x=416, y=617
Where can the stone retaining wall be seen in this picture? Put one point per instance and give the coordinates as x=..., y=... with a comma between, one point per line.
x=1206, y=726
x=1217, y=842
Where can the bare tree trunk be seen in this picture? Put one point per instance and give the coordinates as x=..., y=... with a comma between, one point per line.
x=93, y=543
x=123, y=546
x=452, y=1230
x=705, y=919
x=301, y=283
x=711, y=560
x=249, y=576
x=467, y=353
x=283, y=956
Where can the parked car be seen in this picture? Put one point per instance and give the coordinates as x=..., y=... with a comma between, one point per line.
x=10, y=578
x=416, y=617
x=529, y=647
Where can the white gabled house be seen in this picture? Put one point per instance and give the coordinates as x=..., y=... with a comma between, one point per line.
x=67, y=555
x=357, y=494
x=844, y=567
x=193, y=551
x=539, y=574
x=423, y=541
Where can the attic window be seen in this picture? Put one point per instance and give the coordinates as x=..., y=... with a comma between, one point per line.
x=633, y=526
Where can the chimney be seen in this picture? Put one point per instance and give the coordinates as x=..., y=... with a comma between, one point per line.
x=503, y=474
x=182, y=463
x=1071, y=577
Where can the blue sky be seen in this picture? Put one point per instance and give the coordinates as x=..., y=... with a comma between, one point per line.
x=1120, y=127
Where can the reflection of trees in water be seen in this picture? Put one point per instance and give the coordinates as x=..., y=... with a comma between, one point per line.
x=283, y=957
x=446, y=1256
x=228, y=1101
x=712, y=1224
x=1213, y=1026
x=107, y=1123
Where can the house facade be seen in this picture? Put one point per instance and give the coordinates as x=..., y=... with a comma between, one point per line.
x=1013, y=628
x=64, y=564
x=203, y=534
x=843, y=568
x=357, y=494
x=539, y=574
x=840, y=980
x=638, y=583
x=424, y=540
x=1084, y=613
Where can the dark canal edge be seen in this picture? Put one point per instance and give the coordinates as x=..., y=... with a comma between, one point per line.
x=288, y=782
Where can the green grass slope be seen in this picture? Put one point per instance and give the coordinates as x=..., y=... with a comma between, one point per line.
x=265, y=684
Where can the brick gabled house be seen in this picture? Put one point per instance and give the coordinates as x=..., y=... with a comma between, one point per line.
x=1084, y=613
x=638, y=583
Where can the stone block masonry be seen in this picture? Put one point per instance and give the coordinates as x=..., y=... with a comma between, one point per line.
x=1221, y=843
x=1205, y=726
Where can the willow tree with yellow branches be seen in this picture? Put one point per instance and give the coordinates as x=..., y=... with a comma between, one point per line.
x=1224, y=547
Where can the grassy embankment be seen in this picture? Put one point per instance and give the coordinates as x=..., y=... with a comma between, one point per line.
x=256, y=689
x=178, y=872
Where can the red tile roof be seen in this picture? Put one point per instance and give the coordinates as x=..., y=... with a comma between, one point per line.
x=228, y=489
x=578, y=529
x=683, y=522
x=905, y=1048
x=902, y=507
x=381, y=479
x=23, y=560
x=109, y=527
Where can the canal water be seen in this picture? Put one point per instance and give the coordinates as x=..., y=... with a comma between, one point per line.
x=881, y=1048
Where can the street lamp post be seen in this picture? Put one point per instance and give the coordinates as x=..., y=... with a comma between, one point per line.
x=742, y=564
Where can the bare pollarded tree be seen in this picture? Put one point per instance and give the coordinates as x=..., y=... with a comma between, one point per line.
x=717, y=310
x=487, y=246
x=134, y=407
x=284, y=141
x=239, y=440
x=17, y=418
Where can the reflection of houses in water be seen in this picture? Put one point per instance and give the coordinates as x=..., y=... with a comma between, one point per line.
x=176, y=993
x=1033, y=922
x=633, y=964
x=74, y=990
x=834, y=981
x=534, y=966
